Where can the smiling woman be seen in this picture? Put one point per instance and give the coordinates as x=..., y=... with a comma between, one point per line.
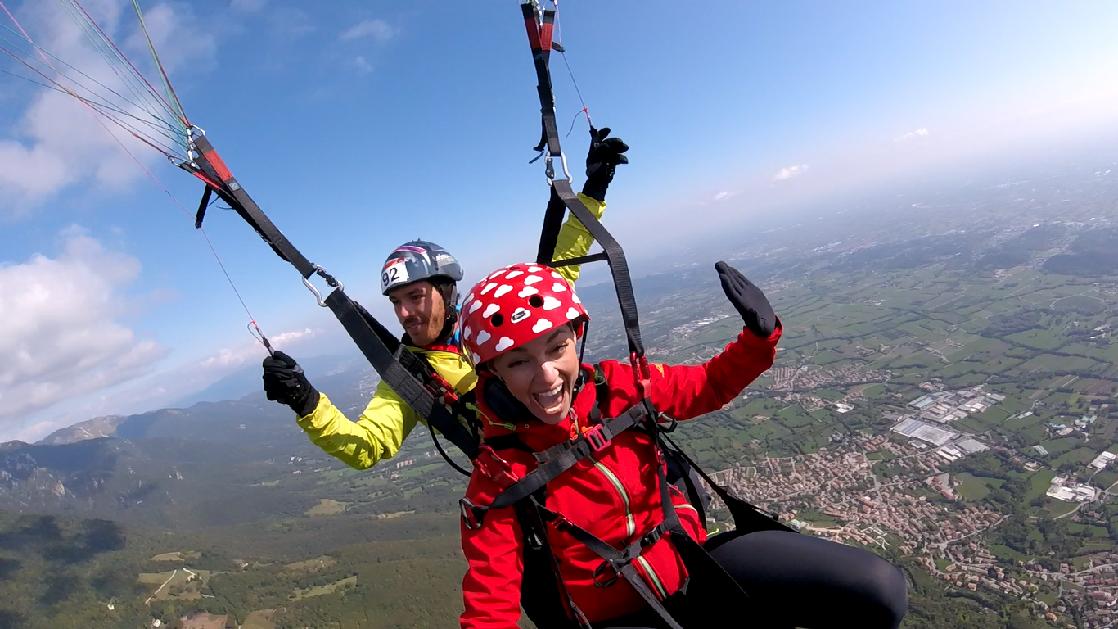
x=566, y=472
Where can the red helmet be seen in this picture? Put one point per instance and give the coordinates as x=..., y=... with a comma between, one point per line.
x=515, y=305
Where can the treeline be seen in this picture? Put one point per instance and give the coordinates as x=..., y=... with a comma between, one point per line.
x=1019, y=250
x=1012, y=323
x=1092, y=254
x=59, y=572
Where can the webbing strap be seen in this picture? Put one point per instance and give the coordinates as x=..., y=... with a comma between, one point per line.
x=562, y=457
x=747, y=517
x=528, y=513
x=403, y=382
x=202, y=205
x=619, y=267
x=594, y=257
x=539, y=39
x=552, y=224
x=231, y=191
x=621, y=561
x=379, y=347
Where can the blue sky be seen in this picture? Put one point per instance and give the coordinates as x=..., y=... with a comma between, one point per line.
x=358, y=125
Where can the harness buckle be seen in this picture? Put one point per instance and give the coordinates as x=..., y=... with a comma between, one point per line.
x=472, y=514
x=601, y=570
x=597, y=437
x=651, y=537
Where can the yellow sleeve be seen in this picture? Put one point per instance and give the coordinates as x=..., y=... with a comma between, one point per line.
x=574, y=240
x=377, y=433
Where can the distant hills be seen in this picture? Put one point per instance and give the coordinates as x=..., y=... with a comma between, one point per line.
x=81, y=431
x=173, y=468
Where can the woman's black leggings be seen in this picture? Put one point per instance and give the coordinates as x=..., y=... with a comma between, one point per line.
x=793, y=580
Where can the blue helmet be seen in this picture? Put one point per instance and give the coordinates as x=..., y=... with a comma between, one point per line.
x=418, y=260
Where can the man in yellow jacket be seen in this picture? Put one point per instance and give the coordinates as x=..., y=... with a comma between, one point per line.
x=420, y=279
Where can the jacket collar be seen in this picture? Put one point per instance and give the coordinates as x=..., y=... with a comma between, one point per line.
x=531, y=431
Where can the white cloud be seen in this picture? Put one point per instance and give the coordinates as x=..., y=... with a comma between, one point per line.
x=62, y=336
x=789, y=172
x=723, y=195
x=362, y=64
x=30, y=172
x=58, y=141
x=912, y=135
x=227, y=357
x=378, y=30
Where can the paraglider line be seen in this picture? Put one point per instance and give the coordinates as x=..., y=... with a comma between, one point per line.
x=120, y=54
x=116, y=63
x=159, y=64
x=85, y=101
x=151, y=176
x=563, y=53
x=164, y=128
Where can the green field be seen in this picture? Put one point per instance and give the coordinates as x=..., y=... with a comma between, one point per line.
x=973, y=488
x=1038, y=484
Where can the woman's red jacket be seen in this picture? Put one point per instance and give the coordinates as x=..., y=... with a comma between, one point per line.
x=614, y=494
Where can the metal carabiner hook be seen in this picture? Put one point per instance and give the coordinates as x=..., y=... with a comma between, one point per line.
x=321, y=272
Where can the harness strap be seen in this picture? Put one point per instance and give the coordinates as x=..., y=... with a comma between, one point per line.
x=562, y=457
x=562, y=196
x=379, y=347
x=620, y=561
x=747, y=517
x=528, y=513
x=594, y=257
x=403, y=382
x=552, y=224
x=619, y=267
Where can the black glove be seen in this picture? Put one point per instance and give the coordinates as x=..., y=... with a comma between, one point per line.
x=604, y=155
x=285, y=383
x=749, y=301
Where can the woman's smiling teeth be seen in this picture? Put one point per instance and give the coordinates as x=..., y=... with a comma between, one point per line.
x=550, y=399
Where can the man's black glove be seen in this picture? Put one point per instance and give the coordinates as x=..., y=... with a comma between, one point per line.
x=603, y=157
x=749, y=301
x=285, y=383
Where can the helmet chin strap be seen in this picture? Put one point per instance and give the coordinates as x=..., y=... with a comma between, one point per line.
x=585, y=335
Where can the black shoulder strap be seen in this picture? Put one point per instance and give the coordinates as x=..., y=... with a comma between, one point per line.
x=403, y=382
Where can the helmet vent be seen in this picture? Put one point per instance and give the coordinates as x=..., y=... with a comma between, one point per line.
x=497, y=320
x=535, y=301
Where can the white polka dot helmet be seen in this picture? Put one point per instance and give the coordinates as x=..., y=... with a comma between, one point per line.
x=515, y=305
